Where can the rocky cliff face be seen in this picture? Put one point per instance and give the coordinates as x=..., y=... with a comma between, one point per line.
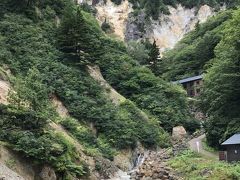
x=115, y=15
x=167, y=31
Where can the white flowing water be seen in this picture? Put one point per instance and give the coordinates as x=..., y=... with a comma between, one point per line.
x=140, y=160
x=121, y=175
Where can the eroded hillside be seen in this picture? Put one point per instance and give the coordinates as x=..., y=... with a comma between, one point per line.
x=167, y=30
x=84, y=132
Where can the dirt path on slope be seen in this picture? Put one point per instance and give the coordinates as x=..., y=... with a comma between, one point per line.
x=196, y=145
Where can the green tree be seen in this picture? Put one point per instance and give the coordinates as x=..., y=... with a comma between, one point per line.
x=138, y=51
x=154, y=55
x=77, y=38
x=31, y=93
x=221, y=94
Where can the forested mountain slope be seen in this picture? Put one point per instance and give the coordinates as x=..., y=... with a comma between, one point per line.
x=221, y=97
x=47, y=53
x=47, y=46
x=212, y=49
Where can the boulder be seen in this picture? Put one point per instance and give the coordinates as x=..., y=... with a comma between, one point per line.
x=179, y=132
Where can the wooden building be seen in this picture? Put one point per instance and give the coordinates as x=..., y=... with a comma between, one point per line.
x=192, y=85
x=231, y=151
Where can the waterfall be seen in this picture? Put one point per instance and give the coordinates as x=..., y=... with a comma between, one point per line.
x=140, y=159
x=136, y=164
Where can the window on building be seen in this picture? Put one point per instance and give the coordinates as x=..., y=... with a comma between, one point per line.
x=198, y=91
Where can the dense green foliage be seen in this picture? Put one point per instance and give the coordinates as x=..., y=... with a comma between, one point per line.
x=137, y=83
x=81, y=95
x=145, y=53
x=49, y=59
x=154, y=55
x=28, y=48
x=221, y=97
x=138, y=51
x=93, y=146
x=24, y=124
x=118, y=124
x=194, y=51
x=154, y=7
x=213, y=49
x=165, y=101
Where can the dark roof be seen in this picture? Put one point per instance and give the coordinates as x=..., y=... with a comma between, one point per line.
x=194, y=78
x=235, y=139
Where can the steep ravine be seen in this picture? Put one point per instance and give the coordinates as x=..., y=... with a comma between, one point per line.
x=139, y=163
x=127, y=160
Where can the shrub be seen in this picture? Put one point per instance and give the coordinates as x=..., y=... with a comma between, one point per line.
x=106, y=27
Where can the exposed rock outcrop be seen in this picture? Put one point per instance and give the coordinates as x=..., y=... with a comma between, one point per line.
x=124, y=160
x=4, y=89
x=167, y=31
x=136, y=26
x=60, y=108
x=115, y=15
x=4, y=86
x=179, y=146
